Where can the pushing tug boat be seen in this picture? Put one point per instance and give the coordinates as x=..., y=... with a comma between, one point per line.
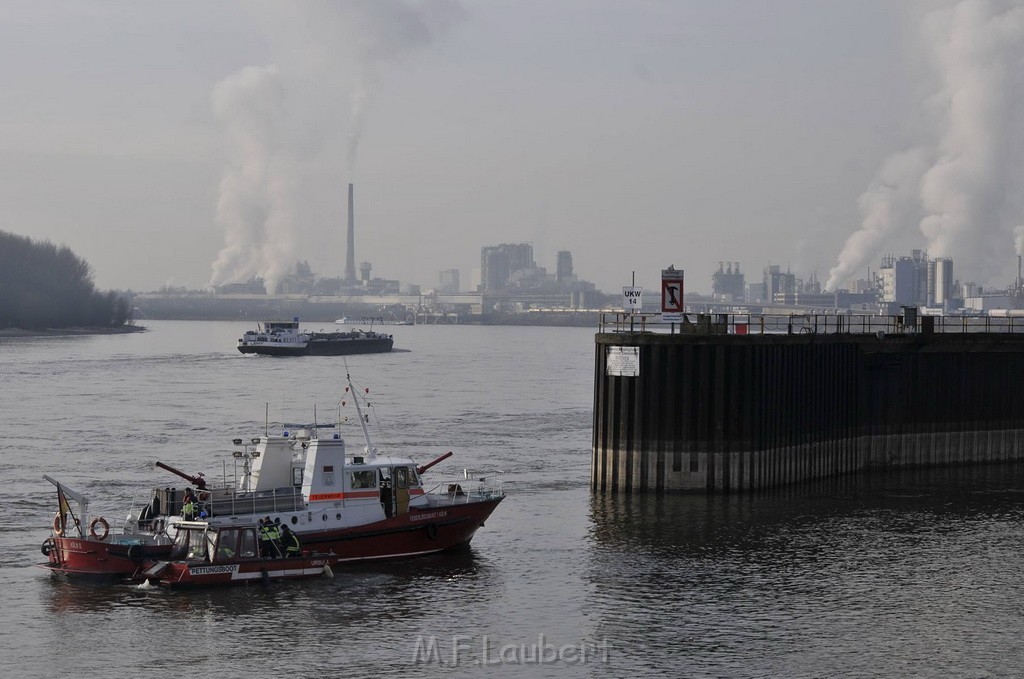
x=345, y=504
x=207, y=554
x=283, y=338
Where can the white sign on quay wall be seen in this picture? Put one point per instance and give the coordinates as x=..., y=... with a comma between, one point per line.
x=631, y=298
x=622, y=361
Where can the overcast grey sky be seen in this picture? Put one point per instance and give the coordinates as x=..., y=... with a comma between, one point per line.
x=189, y=142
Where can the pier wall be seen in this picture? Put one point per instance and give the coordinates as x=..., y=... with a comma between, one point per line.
x=711, y=413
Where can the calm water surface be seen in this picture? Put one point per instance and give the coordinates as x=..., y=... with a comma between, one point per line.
x=916, y=574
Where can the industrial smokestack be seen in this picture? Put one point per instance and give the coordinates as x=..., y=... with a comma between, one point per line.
x=350, y=259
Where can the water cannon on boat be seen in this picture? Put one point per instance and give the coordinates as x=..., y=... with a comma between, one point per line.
x=197, y=480
x=424, y=467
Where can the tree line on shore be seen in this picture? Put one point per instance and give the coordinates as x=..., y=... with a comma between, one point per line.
x=43, y=285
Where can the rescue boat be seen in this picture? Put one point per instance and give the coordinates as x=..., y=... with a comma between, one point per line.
x=206, y=553
x=350, y=504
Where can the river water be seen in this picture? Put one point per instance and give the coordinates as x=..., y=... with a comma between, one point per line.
x=914, y=574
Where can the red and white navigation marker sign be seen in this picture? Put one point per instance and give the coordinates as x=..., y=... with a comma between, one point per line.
x=671, y=295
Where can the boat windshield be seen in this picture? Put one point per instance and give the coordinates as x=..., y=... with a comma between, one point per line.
x=227, y=544
x=192, y=544
x=235, y=542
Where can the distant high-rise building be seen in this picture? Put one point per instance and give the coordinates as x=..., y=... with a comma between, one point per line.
x=917, y=280
x=448, y=281
x=563, y=267
x=778, y=283
x=498, y=263
x=364, y=271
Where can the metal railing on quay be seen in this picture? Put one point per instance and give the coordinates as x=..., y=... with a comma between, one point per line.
x=815, y=324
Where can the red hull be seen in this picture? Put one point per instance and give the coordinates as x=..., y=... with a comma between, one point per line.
x=420, y=531
x=241, y=572
x=89, y=557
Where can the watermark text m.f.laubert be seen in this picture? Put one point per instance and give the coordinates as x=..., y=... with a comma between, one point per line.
x=483, y=650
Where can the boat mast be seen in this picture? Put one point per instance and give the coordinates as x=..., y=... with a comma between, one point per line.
x=369, y=449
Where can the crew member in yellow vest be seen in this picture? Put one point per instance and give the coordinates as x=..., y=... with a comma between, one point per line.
x=267, y=548
x=189, y=506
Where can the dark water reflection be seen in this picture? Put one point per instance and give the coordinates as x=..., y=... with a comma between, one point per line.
x=911, y=573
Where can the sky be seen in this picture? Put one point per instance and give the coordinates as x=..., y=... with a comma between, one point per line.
x=201, y=142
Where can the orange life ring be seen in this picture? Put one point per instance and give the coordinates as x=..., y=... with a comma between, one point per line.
x=99, y=521
x=58, y=530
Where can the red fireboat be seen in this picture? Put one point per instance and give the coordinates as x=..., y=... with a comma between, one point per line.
x=344, y=504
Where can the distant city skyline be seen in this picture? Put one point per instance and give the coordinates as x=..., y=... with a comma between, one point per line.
x=191, y=144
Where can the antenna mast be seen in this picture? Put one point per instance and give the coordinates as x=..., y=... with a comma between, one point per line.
x=369, y=449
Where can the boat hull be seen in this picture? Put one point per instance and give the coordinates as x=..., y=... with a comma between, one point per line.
x=422, y=530
x=241, y=572
x=378, y=345
x=91, y=558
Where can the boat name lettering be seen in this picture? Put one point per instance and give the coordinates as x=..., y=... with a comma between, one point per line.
x=211, y=570
x=326, y=496
x=424, y=517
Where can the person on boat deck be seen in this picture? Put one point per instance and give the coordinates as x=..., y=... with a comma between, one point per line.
x=270, y=538
x=189, y=505
x=290, y=541
x=266, y=545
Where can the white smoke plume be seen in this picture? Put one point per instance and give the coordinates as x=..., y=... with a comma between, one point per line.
x=278, y=118
x=889, y=203
x=978, y=46
x=966, y=195
x=1018, y=239
x=253, y=205
x=388, y=30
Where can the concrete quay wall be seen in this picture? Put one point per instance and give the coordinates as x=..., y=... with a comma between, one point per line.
x=713, y=413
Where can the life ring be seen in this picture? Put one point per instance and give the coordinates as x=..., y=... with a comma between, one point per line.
x=432, y=531
x=99, y=521
x=58, y=529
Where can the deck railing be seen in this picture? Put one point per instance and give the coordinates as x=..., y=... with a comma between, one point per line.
x=469, y=488
x=817, y=324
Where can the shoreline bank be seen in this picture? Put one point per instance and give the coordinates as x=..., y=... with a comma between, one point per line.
x=64, y=332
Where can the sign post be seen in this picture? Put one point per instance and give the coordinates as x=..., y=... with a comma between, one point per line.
x=631, y=299
x=671, y=295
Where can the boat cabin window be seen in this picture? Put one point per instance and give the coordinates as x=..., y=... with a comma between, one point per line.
x=227, y=544
x=296, y=476
x=402, y=477
x=247, y=546
x=190, y=545
x=211, y=544
x=413, y=477
x=364, y=479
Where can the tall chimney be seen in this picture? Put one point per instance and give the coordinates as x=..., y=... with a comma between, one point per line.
x=350, y=259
